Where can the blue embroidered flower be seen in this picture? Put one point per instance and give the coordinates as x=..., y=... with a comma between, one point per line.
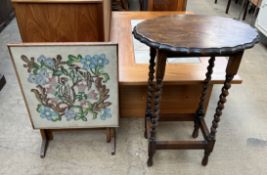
x=31, y=78
x=105, y=113
x=102, y=60
x=48, y=113
x=40, y=79
x=47, y=61
x=50, y=62
x=41, y=59
x=93, y=62
x=97, y=61
x=85, y=61
x=69, y=114
x=43, y=72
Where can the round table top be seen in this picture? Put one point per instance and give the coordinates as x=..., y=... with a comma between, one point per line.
x=196, y=34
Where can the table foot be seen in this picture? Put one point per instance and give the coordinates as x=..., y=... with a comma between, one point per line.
x=149, y=162
x=108, y=135
x=44, y=148
x=151, y=152
x=111, y=137
x=145, y=134
x=228, y=6
x=46, y=135
x=205, y=159
x=195, y=133
x=2, y=81
x=114, y=140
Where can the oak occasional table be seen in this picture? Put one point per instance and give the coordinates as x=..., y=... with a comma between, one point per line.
x=187, y=36
x=182, y=80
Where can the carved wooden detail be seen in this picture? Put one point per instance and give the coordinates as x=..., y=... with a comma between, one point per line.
x=150, y=88
x=200, y=111
x=160, y=70
x=172, y=33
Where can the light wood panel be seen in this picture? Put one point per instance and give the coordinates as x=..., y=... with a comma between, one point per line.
x=107, y=19
x=63, y=21
x=179, y=99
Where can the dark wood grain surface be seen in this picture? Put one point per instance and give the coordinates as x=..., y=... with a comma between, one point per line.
x=197, y=34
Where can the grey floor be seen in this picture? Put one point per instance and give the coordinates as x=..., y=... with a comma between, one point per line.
x=241, y=146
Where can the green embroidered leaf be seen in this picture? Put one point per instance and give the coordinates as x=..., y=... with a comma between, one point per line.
x=72, y=59
x=39, y=108
x=35, y=68
x=94, y=115
x=105, y=77
x=64, y=71
x=81, y=114
x=56, y=119
x=86, y=111
x=72, y=75
x=57, y=73
x=77, y=117
x=56, y=93
x=35, y=71
x=79, y=57
x=69, y=62
x=84, y=119
x=79, y=97
x=35, y=65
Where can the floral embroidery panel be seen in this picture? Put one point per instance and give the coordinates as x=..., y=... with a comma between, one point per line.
x=69, y=86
